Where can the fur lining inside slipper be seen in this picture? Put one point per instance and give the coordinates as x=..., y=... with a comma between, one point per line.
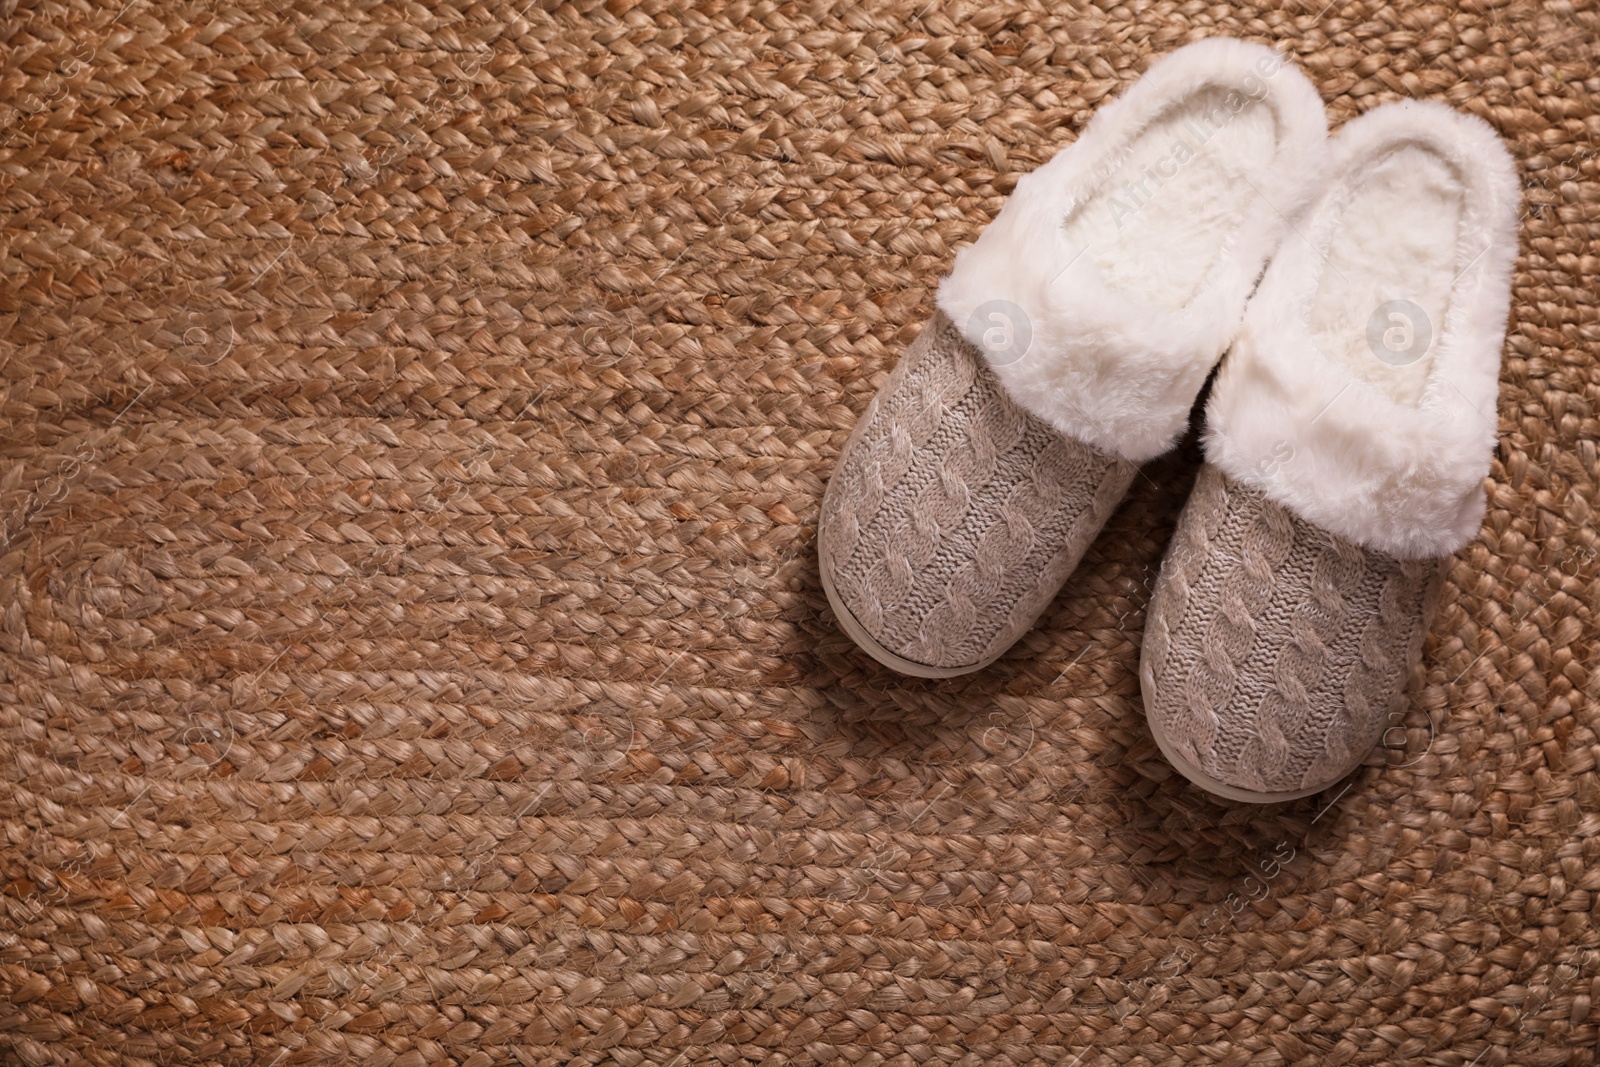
x=1361, y=391
x=1115, y=275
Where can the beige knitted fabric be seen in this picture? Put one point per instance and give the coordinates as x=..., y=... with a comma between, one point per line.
x=954, y=516
x=1274, y=651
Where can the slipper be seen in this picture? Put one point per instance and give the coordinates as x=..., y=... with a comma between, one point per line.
x=1069, y=345
x=1348, y=436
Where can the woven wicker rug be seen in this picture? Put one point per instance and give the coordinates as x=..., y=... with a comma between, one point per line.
x=411, y=644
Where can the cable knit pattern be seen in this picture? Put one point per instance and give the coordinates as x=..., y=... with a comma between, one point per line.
x=953, y=515
x=1274, y=651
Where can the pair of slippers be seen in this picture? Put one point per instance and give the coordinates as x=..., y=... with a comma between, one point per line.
x=1360, y=288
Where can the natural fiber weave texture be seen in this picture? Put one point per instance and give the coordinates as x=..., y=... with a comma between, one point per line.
x=1277, y=652
x=415, y=423
x=953, y=516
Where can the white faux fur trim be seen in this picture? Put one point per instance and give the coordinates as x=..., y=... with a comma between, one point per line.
x=1103, y=366
x=1395, y=473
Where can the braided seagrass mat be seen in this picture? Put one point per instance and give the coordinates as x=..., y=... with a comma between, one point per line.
x=411, y=644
